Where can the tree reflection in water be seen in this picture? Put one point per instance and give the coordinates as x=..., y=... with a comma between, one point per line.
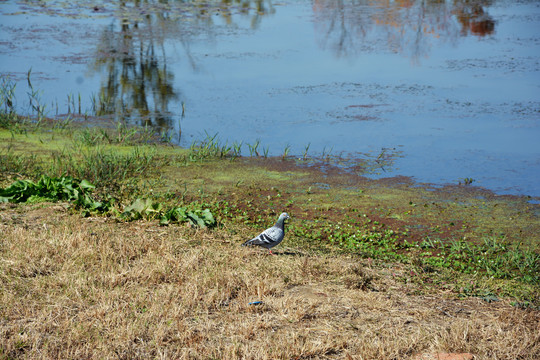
x=474, y=18
x=408, y=27
x=137, y=86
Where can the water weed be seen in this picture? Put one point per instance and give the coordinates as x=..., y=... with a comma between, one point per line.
x=102, y=104
x=254, y=148
x=306, y=149
x=286, y=152
x=34, y=96
x=7, y=95
x=236, y=149
x=63, y=124
x=211, y=148
x=326, y=152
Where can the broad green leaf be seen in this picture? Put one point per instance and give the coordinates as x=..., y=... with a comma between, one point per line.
x=85, y=184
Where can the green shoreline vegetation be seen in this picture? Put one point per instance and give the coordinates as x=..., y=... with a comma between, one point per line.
x=460, y=240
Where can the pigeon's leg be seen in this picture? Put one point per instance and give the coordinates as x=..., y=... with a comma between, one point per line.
x=270, y=252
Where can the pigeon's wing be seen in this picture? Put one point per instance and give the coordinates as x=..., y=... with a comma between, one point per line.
x=268, y=238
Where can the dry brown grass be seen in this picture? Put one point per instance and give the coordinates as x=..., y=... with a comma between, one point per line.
x=93, y=288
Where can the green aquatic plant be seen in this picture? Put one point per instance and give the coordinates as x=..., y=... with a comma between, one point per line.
x=306, y=149
x=63, y=124
x=64, y=188
x=236, y=149
x=286, y=152
x=102, y=104
x=253, y=148
x=326, y=153
x=466, y=181
x=7, y=95
x=210, y=148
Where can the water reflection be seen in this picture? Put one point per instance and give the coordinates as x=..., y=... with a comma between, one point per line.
x=138, y=86
x=409, y=27
x=137, y=82
x=474, y=18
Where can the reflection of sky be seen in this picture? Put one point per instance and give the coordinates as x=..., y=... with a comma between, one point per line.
x=466, y=107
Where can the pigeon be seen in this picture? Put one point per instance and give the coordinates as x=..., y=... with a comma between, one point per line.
x=271, y=236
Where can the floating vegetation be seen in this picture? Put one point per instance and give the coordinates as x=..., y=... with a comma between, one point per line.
x=466, y=181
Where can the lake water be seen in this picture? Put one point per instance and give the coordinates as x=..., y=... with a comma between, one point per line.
x=441, y=90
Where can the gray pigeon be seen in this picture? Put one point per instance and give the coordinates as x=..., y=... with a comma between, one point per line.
x=271, y=236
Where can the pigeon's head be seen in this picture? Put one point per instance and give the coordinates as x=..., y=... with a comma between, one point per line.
x=281, y=221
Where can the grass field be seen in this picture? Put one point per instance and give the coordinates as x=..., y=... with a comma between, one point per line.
x=82, y=288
